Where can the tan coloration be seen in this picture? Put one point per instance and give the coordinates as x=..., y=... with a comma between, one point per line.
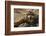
x=22, y=16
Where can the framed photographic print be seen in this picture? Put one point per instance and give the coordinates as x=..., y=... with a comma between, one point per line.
x=24, y=17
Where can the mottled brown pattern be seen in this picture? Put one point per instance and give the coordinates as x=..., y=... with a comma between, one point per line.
x=28, y=16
